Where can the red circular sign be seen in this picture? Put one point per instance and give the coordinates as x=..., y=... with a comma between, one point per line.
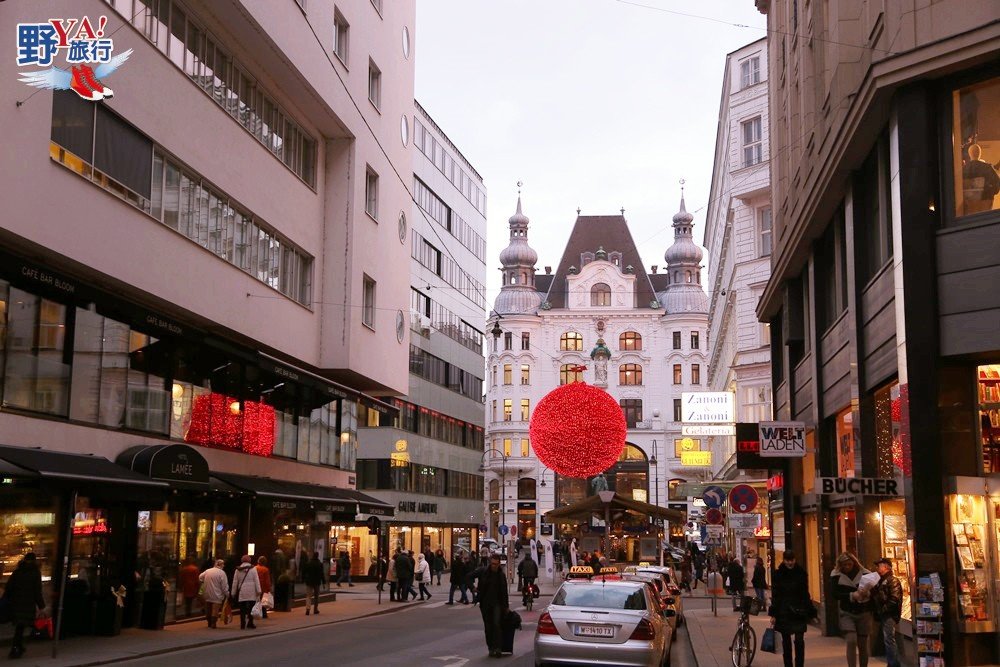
x=743, y=498
x=714, y=517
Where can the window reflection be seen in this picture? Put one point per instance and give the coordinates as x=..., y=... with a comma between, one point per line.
x=976, y=141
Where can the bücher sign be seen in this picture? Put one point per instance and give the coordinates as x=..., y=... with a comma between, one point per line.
x=857, y=486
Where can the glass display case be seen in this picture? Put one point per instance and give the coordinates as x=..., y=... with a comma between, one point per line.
x=971, y=556
x=895, y=548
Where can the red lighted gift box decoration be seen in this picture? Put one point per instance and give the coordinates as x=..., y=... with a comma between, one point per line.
x=220, y=421
x=578, y=430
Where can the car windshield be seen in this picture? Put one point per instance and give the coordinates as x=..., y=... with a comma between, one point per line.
x=601, y=597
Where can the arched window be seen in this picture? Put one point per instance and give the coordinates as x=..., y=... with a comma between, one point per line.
x=687, y=276
x=600, y=295
x=630, y=374
x=571, y=341
x=494, y=489
x=630, y=340
x=567, y=374
x=677, y=276
x=526, y=488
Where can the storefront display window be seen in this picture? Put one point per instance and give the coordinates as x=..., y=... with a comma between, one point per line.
x=28, y=523
x=974, y=607
x=168, y=542
x=846, y=453
x=975, y=137
x=360, y=546
x=989, y=416
x=90, y=546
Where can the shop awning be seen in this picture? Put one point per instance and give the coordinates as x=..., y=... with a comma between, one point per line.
x=329, y=387
x=333, y=499
x=180, y=466
x=593, y=505
x=49, y=465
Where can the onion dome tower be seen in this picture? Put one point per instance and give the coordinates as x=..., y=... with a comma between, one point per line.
x=684, y=293
x=518, y=295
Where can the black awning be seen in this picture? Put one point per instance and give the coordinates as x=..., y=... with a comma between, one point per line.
x=50, y=465
x=325, y=498
x=169, y=463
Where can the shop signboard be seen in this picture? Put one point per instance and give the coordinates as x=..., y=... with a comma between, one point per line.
x=696, y=459
x=857, y=486
x=707, y=429
x=708, y=407
x=782, y=439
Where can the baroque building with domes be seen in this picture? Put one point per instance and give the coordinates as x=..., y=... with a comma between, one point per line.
x=600, y=318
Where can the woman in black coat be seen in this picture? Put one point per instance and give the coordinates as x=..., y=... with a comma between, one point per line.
x=791, y=608
x=23, y=595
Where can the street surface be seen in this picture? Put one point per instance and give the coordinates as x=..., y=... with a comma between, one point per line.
x=431, y=634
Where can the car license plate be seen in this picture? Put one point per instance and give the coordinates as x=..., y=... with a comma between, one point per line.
x=595, y=631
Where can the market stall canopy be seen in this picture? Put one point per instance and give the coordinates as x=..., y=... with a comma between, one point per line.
x=594, y=505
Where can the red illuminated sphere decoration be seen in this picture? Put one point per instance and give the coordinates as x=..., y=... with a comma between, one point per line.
x=578, y=430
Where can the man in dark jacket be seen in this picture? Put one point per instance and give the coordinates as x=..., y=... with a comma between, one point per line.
x=493, y=604
x=457, y=579
x=887, y=602
x=737, y=578
x=527, y=571
x=404, y=575
x=23, y=594
x=344, y=568
x=312, y=575
x=791, y=608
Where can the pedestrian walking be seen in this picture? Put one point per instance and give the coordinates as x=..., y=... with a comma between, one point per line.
x=439, y=564
x=246, y=591
x=312, y=575
x=391, y=576
x=23, y=597
x=791, y=609
x=422, y=574
x=344, y=568
x=855, y=613
x=264, y=574
x=404, y=573
x=410, y=590
x=493, y=604
x=188, y=580
x=737, y=577
x=457, y=579
x=887, y=605
x=215, y=590
x=383, y=570
x=759, y=580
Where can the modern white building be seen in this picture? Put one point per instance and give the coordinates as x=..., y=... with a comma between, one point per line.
x=425, y=461
x=738, y=237
x=202, y=284
x=641, y=336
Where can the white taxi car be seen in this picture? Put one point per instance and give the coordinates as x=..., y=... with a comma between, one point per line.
x=605, y=621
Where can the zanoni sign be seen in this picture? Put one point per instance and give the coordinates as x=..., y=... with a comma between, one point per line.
x=708, y=407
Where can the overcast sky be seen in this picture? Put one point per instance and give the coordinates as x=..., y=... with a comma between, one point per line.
x=596, y=104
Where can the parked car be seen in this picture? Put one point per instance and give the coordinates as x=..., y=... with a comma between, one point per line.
x=663, y=598
x=673, y=589
x=595, y=621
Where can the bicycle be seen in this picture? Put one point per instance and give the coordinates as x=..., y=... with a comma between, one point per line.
x=528, y=594
x=744, y=645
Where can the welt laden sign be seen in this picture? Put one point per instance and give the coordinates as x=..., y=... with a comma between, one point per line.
x=782, y=439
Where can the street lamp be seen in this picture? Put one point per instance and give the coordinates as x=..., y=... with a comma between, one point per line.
x=503, y=481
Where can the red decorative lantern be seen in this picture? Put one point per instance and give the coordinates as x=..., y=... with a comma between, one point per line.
x=578, y=430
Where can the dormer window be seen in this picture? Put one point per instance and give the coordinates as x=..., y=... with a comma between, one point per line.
x=600, y=295
x=586, y=258
x=615, y=258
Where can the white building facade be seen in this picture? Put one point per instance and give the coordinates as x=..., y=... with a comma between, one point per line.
x=738, y=237
x=640, y=336
x=425, y=462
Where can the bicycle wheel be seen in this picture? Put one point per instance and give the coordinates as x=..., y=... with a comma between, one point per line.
x=751, y=643
x=743, y=647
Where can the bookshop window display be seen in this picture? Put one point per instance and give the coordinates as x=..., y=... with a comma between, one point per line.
x=973, y=606
x=989, y=416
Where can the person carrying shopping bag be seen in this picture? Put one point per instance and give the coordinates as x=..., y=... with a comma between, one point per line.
x=246, y=591
x=266, y=598
x=422, y=575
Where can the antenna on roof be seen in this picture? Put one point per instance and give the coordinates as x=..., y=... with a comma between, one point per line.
x=578, y=210
x=682, y=186
x=519, y=184
x=623, y=210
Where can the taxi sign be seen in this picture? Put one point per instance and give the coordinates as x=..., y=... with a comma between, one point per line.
x=609, y=570
x=644, y=563
x=580, y=571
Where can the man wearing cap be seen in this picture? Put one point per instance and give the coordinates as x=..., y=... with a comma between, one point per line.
x=887, y=600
